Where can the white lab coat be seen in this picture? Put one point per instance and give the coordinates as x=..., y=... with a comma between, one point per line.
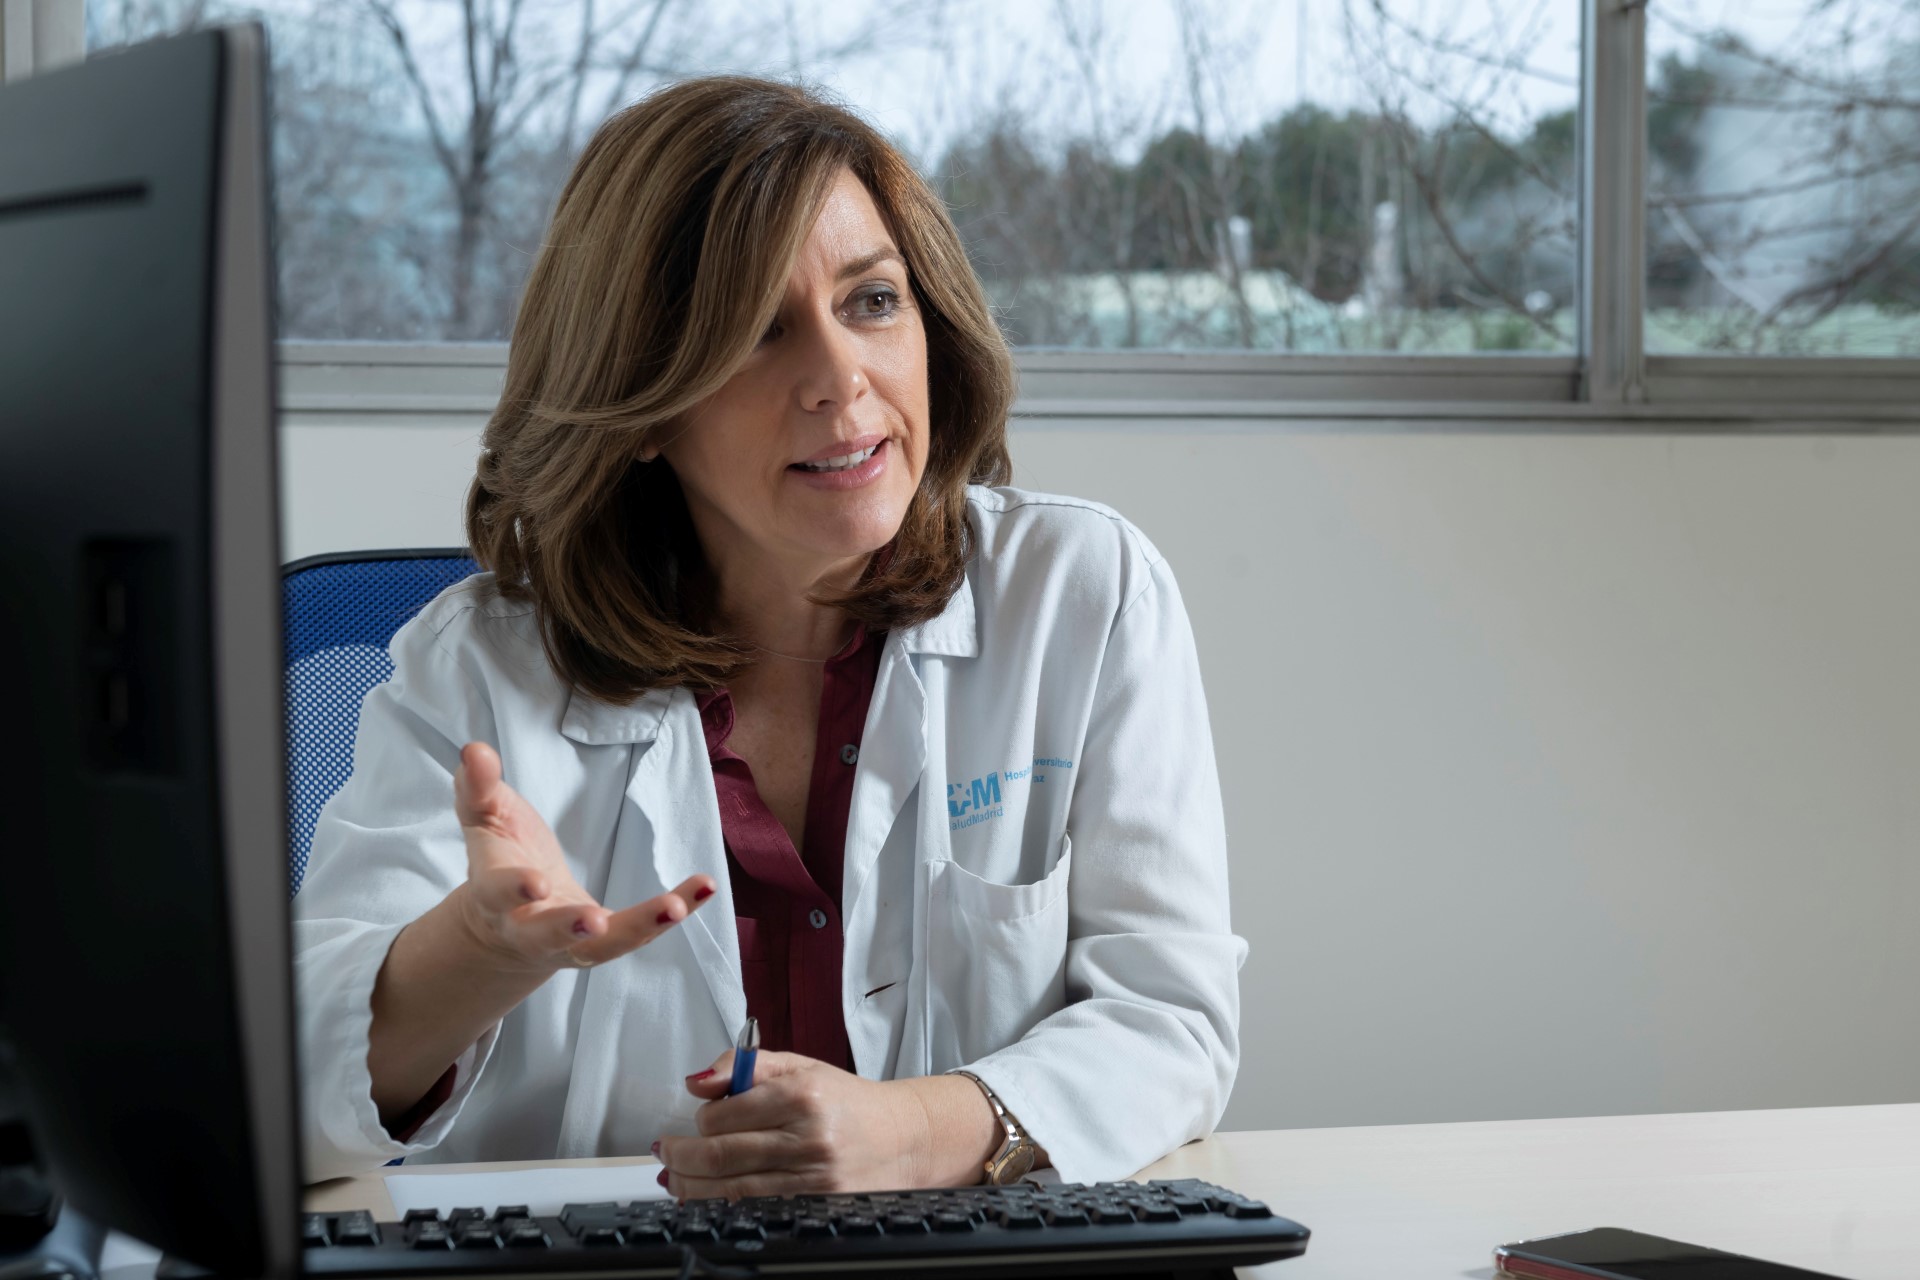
x=1035, y=881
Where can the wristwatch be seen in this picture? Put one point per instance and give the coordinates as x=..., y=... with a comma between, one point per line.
x=1014, y=1160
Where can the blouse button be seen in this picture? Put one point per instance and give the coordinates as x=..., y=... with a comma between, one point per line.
x=817, y=918
x=849, y=753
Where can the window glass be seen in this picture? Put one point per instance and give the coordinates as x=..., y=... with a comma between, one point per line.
x=1783, y=177
x=1293, y=175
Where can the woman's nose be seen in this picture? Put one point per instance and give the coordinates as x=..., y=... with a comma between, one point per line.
x=831, y=374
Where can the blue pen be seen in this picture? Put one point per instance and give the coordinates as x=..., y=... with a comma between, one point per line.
x=745, y=1050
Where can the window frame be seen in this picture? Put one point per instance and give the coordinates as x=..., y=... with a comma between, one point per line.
x=1609, y=378
x=38, y=35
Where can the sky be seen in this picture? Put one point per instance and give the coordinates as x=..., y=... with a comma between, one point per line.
x=1264, y=55
x=936, y=70
x=1270, y=55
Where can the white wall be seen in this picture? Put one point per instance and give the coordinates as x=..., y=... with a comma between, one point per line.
x=1565, y=773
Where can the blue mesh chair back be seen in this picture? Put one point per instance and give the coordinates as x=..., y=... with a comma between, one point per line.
x=339, y=613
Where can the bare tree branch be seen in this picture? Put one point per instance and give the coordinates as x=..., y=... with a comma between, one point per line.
x=1436, y=209
x=383, y=13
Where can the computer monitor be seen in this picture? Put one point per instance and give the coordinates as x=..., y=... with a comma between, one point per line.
x=144, y=903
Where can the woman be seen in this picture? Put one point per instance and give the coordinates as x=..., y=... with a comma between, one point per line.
x=770, y=704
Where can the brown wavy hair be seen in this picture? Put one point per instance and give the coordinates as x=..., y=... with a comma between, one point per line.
x=666, y=259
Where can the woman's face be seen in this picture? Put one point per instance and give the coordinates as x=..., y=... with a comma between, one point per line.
x=841, y=374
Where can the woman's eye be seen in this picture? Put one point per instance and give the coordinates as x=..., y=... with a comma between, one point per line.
x=877, y=302
x=773, y=331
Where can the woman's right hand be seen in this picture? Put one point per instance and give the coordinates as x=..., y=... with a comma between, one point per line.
x=520, y=900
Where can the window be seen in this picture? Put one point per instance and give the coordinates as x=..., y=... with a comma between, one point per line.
x=1783, y=177
x=1275, y=177
x=1233, y=174
x=1230, y=206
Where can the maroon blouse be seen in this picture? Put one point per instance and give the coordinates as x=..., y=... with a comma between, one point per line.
x=787, y=901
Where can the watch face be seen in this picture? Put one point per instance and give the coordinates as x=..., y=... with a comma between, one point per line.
x=1017, y=1164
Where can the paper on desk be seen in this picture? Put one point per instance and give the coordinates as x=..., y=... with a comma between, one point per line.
x=543, y=1191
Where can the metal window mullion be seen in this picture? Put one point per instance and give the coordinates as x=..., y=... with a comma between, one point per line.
x=16, y=39
x=1613, y=150
x=36, y=35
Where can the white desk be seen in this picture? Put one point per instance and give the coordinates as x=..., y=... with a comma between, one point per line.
x=1833, y=1189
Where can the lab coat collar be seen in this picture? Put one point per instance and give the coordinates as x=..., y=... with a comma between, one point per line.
x=952, y=633
x=595, y=723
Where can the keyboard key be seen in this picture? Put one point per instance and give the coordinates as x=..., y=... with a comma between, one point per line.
x=466, y=1215
x=1161, y=1211
x=743, y=1229
x=901, y=1224
x=811, y=1228
x=420, y=1215
x=1107, y=1215
x=573, y=1215
x=1020, y=1220
x=313, y=1231
x=1188, y=1204
x=526, y=1234
x=1248, y=1209
x=859, y=1224
x=507, y=1211
x=952, y=1220
x=475, y=1235
x=356, y=1228
x=648, y=1233
x=430, y=1234
x=1067, y=1216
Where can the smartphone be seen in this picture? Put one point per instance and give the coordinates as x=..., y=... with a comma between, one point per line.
x=1609, y=1253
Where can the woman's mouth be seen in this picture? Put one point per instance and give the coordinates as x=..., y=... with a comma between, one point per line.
x=848, y=471
x=844, y=463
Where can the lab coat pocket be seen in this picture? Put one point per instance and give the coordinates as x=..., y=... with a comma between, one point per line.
x=998, y=956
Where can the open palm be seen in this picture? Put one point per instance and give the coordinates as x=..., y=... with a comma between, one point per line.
x=522, y=899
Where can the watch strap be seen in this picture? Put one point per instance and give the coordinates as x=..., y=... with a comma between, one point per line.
x=1016, y=1153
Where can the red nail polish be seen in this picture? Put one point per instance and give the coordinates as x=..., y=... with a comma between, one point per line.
x=656, y=1148
x=662, y=1179
x=580, y=927
x=701, y=1075
x=665, y=917
x=703, y=895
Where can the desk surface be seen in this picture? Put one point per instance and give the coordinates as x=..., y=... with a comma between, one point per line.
x=1834, y=1189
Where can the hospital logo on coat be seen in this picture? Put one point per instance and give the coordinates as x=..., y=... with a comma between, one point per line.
x=974, y=801
x=978, y=800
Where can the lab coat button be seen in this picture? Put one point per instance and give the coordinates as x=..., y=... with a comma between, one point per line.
x=817, y=918
x=849, y=754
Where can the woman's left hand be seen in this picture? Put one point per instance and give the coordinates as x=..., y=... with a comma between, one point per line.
x=807, y=1128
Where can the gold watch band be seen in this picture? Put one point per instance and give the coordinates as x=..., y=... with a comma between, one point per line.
x=1014, y=1160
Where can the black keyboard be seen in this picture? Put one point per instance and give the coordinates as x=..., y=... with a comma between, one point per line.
x=1107, y=1228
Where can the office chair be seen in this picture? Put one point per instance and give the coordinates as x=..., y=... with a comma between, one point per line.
x=338, y=613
